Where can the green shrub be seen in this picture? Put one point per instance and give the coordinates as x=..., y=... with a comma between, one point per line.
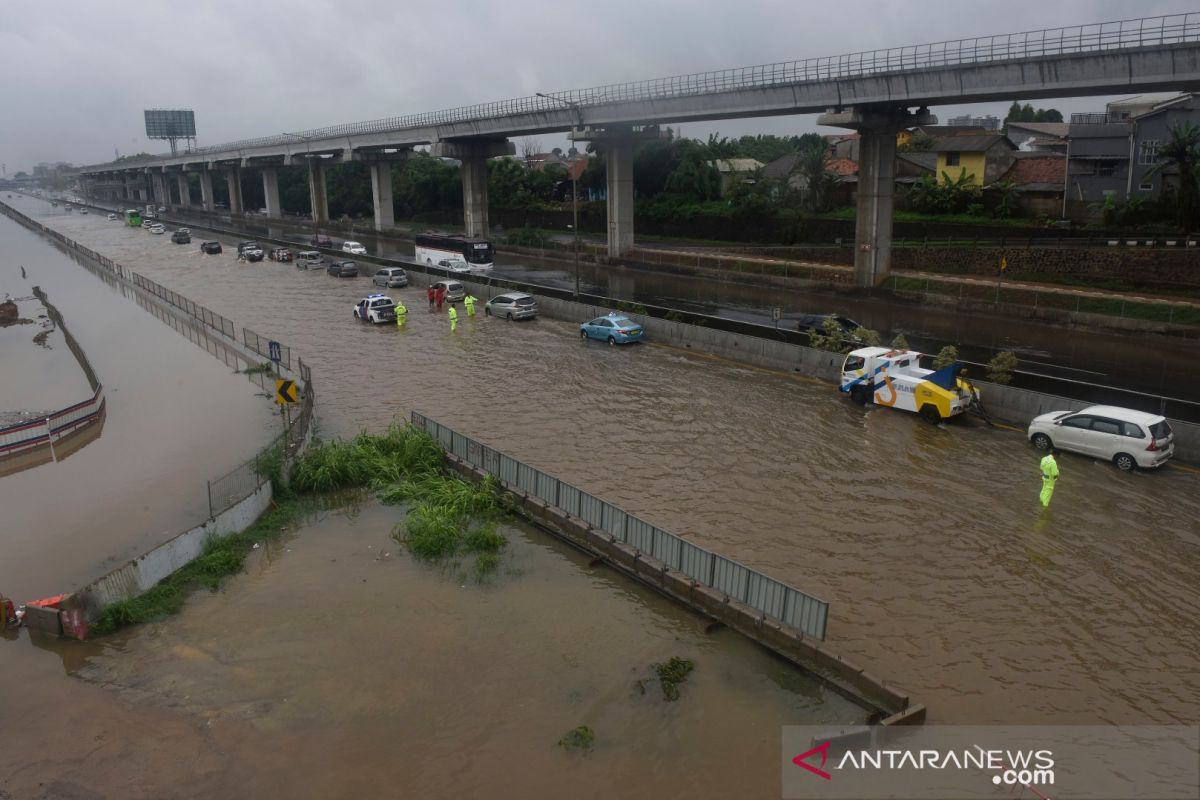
x=1000, y=369
x=945, y=357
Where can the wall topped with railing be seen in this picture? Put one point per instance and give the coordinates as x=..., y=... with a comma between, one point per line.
x=789, y=605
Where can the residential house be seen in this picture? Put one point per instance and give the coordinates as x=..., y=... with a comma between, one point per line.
x=915, y=165
x=1039, y=136
x=1151, y=130
x=1040, y=178
x=984, y=157
x=843, y=145
x=736, y=170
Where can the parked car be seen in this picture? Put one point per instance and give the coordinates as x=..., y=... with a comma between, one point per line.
x=455, y=291
x=354, y=247
x=321, y=240
x=612, y=328
x=181, y=237
x=342, y=269
x=309, y=259
x=816, y=322
x=376, y=308
x=280, y=254
x=391, y=277
x=514, y=305
x=1127, y=438
x=454, y=265
x=210, y=247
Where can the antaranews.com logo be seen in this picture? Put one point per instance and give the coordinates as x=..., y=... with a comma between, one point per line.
x=1082, y=762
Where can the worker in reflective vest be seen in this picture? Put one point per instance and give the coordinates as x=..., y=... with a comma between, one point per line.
x=1049, y=476
x=469, y=302
x=453, y=319
x=401, y=314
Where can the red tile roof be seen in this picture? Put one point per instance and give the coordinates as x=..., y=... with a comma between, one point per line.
x=842, y=166
x=1038, y=168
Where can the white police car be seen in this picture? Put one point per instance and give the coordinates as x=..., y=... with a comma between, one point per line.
x=376, y=308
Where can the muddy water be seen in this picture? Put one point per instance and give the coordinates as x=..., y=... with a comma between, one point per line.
x=50, y=376
x=927, y=541
x=175, y=417
x=410, y=676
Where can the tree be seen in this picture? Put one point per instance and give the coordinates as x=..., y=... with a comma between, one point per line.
x=812, y=167
x=1000, y=369
x=1027, y=113
x=945, y=357
x=529, y=148
x=917, y=143
x=1181, y=152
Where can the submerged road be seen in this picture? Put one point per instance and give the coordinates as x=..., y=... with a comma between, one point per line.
x=928, y=542
x=1148, y=363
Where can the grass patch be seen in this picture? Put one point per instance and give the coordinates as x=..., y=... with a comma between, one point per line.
x=581, y=738
x=221, y=557
x=671, y=674
x=260, y=369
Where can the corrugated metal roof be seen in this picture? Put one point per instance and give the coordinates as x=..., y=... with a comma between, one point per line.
x=970, y=144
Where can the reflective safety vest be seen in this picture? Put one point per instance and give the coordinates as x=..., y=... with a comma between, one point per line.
x=453, y=313
x=1049, y=468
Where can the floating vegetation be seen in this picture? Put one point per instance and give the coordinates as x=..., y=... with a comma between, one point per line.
x=581, y=738
x=259, y=369
x=672, y=674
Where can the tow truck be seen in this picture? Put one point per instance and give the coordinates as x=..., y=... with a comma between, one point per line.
x=895, y=378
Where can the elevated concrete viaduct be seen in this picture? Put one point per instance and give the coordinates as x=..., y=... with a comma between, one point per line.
x=871, y=92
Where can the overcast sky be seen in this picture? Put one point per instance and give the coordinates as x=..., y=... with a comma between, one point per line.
x=77, y=75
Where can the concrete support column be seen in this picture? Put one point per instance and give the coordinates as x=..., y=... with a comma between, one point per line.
x=142, y=194
x=233, y=179
x=619, y=163
x=474, y=155
x=270, y=180
x=317, y=196
x=185, y=191
x=381, y=194
x=206, y=190
x=877, y=127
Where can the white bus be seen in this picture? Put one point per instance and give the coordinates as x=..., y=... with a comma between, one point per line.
x=432, y=248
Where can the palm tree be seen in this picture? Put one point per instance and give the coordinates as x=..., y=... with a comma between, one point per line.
x=812, y=166
x=1182, y=152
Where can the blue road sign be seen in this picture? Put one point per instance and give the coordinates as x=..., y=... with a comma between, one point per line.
x=276, y=351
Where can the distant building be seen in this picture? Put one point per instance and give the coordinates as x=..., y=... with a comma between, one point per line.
x=1039, y=176
x=842, y=145
x=984, y=157
x=988, y=122
x=1151, y=130
x=1045, y=136
x=736, y=170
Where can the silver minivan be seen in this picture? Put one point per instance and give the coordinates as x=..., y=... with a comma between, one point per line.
x=455, y=291
x=391, y=277
x=310, y=259
x=513, y=305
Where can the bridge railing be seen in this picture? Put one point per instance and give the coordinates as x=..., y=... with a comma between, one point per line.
x=1097, y=37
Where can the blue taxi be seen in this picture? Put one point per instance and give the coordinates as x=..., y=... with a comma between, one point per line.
x=612, y=328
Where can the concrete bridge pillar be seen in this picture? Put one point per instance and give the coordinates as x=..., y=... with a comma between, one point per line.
x=317, y=196
x=206, y=190
x=184, y=189
x=877, y=126
x=381, y=194
x=619, y=144
x=233, y=180
x=270, y=180
x=474, y=155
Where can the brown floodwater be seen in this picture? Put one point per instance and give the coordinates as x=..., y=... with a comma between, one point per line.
x=339, y=667
x=942, y=574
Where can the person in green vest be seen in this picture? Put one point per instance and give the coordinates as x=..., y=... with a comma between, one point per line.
x=469, y=302
x=401, y=314
x=453, y=319
x=1049, y=476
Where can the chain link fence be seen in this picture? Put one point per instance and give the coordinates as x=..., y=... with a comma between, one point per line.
x=737, y=581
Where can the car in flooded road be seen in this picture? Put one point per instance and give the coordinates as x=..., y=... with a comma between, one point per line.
x=376, y=308
x=321, y=240
x=342, y=269
x=390, y=277
x=181, y=237
x=612, y=328
x=210, y=248
x=1127, y=438
x=354, y=248
x=455, y=291
x=309, y=259
x=513, y=305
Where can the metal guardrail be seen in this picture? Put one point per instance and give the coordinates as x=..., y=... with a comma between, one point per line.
x=1096, y=37
x=738, y=582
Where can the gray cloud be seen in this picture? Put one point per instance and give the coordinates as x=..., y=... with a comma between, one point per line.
x=79, y=74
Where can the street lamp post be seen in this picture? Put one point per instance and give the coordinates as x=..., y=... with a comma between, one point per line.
x=574, y=186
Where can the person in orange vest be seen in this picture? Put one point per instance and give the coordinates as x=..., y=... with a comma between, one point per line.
x=441, y=297
x=431, y=295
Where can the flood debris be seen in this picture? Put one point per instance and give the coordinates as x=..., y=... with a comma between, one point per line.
x=581, y=738
x=671, y=674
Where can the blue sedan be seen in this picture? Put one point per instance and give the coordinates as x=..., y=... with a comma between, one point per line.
x=612, y=328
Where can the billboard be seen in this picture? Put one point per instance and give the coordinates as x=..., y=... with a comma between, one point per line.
x=164, y=123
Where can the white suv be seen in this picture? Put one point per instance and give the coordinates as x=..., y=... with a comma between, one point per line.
x=354, y=247
x=1125, y=437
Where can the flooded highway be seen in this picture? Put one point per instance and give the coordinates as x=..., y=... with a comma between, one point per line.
x=927, y=541
x=1149, y=363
